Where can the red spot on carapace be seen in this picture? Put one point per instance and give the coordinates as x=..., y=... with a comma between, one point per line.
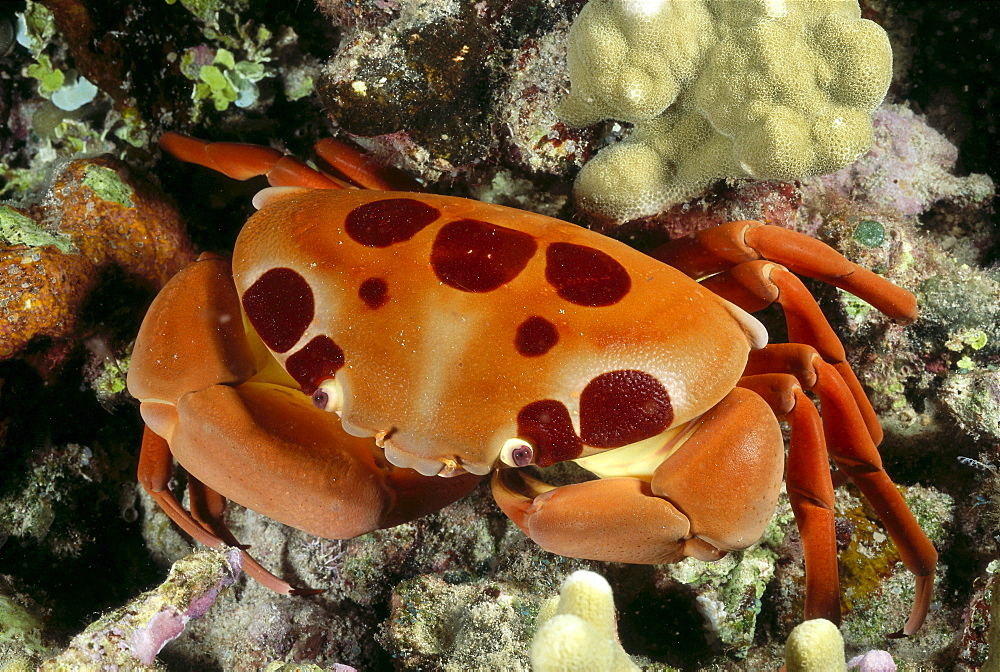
x=585, y=276
x=280, y=307
x=387, y=222
x=476, y=256
x=547, y=426
x=317, y=361
x=374, y=292
x=535, y=336
x=621, y=407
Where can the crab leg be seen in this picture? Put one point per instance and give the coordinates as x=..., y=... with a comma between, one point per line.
x=714, y=250
x=854, y=453
x=810, y=489
x=155, y=471
x=756, y=284
x=208, y=508
x=362, y=168
x=243, y=161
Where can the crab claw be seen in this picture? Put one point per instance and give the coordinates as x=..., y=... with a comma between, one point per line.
x=614, y=519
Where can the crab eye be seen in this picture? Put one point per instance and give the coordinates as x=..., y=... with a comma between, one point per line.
x=517, y=453
x=328, y=396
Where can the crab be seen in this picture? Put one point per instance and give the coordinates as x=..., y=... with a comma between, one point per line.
x=370, y=354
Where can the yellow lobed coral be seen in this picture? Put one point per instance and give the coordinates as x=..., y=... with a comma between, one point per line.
x=771, y=89
x=815, y=646
x=577, y=631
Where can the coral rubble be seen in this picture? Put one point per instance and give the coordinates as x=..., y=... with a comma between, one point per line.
x=132, y=636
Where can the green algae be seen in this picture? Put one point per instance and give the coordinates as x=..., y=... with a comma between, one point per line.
x=974, y=338
x=207, y=11
x=857, y=309
x=110, y=381
x=108, y=184
x=870, y=233
x=49, y=79
x=229, y=73
x=19, y=229
x=36, y=27
x=18, y=626
x=225, y=81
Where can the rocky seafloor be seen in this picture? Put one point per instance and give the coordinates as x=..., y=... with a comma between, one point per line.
x=463, y=95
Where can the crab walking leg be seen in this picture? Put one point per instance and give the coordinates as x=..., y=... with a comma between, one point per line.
x=361, y=168
x=714, y=250
x=242, y=161
x=810, y=489
x=854, y=453
x=859, y=459
x=715, y=493
x=208, y=508
x=756, y=284
x=155, y=470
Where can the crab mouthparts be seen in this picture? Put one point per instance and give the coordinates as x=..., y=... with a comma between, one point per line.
x=450, y=468
x=446, y=467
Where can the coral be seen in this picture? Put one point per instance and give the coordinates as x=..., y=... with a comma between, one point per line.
x=873, y=661
x=910, y=168
x=973, y=400
x=429, y=85
x=876, y=589
x=306, y=667
x=992, y=663
x=481, y=581
x=729, y=591
x=427, y=72
x=577, y=630
x=539, y=140
x=132, y=636
x=41, y=507
x=978, y=639
x=815, y=646
x=483, y=625
x=431, y=577
x=767, y=90
x=95, y=216
x=22, y=639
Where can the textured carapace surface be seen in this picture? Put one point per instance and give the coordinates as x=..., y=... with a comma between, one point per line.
x=453, y=326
